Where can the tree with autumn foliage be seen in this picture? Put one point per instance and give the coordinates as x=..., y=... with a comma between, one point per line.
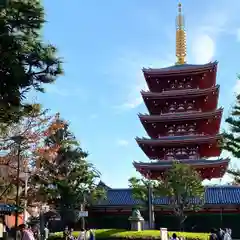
x=69, y=183
x=25, y=141
x=231, y=137
x=181, y=184
x=26, y=62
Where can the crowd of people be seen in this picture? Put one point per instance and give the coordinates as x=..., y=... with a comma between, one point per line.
x=84, y=234
x=221, y=234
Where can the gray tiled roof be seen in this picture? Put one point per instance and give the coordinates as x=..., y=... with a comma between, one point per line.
x=213, y=195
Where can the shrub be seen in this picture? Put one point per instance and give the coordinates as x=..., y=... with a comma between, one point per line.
x=124, y=234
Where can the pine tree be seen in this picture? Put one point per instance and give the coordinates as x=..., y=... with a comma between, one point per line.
x=25, y=61
x=69, y=182
x=231, y=137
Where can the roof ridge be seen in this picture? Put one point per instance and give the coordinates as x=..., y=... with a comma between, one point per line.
x=206, y=187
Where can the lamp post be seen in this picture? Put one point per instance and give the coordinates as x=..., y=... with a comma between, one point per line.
x=26, y=176
x=221, y=194
x=150, y=204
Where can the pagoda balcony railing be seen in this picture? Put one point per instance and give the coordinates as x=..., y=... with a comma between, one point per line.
x=181, y=157
x=178, y=134
x=180, y=111
x=166, y=112
x=179, y=86
x=182, y=133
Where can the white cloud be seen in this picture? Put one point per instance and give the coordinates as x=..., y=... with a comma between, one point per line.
x=216, y=21
x=203, y=49
x=122, y=142
x=134, y=98
x=135, y=64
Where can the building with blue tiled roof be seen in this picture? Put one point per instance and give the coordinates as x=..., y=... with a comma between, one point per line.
x=216, y=195
x=221, y=208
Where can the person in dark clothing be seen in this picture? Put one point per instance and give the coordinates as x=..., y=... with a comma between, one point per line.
x=66, y=233
x=220, y=234
x=213, y=235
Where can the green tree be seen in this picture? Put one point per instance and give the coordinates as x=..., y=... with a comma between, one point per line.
x=180, y=184
x=69, y=182
x=231, y=138
x=140, y=191
x=25, y=61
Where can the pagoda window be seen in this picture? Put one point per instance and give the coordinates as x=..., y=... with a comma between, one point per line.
x=180, y=129
x=190, y=107
x=181, y=153
x=181, y=108
x=172, y=108
x=181, y=85
x=171, y=131
x=193, y=153
x=169, y=155
x=191, y=129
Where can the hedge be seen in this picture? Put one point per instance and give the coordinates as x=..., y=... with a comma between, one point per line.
x=124, y=234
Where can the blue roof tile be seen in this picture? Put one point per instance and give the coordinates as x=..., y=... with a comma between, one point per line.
x=213, y=195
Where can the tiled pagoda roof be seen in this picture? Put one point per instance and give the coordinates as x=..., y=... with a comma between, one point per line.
x=225, y=195
x=167, y=163
x=180, y=116
x=180, y=68
x=171, y=140
x=180, y=92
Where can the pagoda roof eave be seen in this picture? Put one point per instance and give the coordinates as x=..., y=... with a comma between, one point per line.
x=177, y=93
x=180, y=116
x=179, y=69
x=172, y=140
x=167, y=163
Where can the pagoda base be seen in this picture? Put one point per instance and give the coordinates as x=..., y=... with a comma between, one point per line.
x=207, y=169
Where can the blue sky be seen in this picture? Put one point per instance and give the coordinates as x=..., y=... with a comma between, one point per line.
x=105, y=44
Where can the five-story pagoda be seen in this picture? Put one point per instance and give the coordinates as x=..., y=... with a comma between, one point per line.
x=183, y=121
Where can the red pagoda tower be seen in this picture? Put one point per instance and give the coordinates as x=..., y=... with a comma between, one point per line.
x=183, y=121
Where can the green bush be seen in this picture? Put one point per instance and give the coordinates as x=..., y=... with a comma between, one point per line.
x=124, y=234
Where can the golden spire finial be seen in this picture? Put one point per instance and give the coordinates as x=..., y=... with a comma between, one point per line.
x=181, y=48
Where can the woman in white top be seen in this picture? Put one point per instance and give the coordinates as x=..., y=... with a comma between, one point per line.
x=227, y=235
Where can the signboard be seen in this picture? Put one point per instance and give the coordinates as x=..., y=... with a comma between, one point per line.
x=164, y=233
x=83, y=214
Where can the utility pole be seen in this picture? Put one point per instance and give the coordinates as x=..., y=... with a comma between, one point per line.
x=18, y=140
x=25, y=191
x=150, y=205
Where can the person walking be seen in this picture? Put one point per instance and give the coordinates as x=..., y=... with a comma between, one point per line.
x=26, y=233
x=213, y=235
x=82, y=235
x=227, y=235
